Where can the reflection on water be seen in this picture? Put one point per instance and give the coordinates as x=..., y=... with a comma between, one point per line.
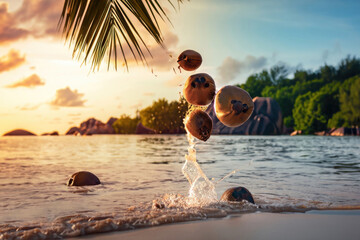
x=278, y=170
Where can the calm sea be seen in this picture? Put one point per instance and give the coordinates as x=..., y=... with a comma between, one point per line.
x=143, y=185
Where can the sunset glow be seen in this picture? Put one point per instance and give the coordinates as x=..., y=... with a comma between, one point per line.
x=42, y=88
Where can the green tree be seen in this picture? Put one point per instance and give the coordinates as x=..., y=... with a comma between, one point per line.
x=349, y=114
x=125, y=124
x=256, y=83
x=312, y=110
x=97, y=27
x=348, y=67
x=165, y=117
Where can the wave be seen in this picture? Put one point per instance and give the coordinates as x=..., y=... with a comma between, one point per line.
x=167, y=209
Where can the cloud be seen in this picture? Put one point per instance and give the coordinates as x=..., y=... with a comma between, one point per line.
x=41, y=15
x=29, y=82
x=8, y=26
x=149, y=94
x=11, y=60
x=68, y=98
x=29, y=107
x=37, y=18
x=231, y=68
x=162, y=58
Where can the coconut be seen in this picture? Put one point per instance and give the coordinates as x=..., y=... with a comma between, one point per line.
x=233, y=106
x=83, y=178
x=199, y=124
x=189, y=60
x=199, y=89
x=237, y=194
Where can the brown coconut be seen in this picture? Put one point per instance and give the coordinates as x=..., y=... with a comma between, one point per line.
x=83, y=178
x=237, y=194
x=199, y=89
x=233, y=106
x=189, y=60
x=199, y=124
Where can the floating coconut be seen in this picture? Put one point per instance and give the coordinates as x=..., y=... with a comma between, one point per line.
x=237, y=194
x=83, y=178
x=199, y=89
x=189, y=60
x=233, y=106
x=199, y=124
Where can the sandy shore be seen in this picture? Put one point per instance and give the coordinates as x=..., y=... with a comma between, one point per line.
x=327, y=225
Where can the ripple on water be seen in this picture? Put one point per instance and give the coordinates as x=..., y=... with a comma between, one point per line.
x=281, y=172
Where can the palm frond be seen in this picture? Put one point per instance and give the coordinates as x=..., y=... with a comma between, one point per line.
x=98, y=27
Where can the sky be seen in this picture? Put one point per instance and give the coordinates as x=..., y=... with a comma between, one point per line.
x=43, y=89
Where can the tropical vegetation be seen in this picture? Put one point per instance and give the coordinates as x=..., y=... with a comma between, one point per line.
x=312, y=101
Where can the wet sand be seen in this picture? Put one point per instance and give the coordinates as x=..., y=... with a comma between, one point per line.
x=335, y=224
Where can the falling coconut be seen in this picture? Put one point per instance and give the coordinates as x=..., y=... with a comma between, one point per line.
x=189, y=60
x=233, y=106
x=199, y=89
x=83, y=178
x=237, y=194
x=199, y=124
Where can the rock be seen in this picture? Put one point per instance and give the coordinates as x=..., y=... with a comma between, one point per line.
x=321, y=133
x=111, y=121
x=266, y=119
x=345, y=131
x=296, y=132
x=73, y=131
x=141, y=129
x=19, y=132
x=55, y=133
x=237, y=194
x=93, y=126
x=83, y=178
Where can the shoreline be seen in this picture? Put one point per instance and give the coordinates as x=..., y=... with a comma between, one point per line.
x=314, y=224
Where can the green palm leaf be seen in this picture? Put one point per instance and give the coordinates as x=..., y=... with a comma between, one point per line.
x=98, y=27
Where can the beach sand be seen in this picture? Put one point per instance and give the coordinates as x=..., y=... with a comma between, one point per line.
x=335, y=224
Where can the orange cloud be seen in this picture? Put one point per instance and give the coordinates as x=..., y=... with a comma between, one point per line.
x=9, y=31
x=42, y=16
x=37, y=18
x=11, y=60
x=68, y=98
x=28, y=107
x=162, y=58
x=29, y=82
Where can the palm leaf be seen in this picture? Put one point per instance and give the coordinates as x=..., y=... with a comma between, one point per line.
x=95, y=28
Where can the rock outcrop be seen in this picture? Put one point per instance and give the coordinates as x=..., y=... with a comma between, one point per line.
x=345, y=131
x=55, y=133
x=141, y=129
x=93, y=126
x=297, y=132
x=266, y=119
x=19, y=132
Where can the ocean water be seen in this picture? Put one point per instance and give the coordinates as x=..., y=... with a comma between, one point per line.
x=143, y=184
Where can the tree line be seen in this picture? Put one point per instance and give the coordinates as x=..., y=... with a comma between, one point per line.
x=162, y=117
x=311, y=101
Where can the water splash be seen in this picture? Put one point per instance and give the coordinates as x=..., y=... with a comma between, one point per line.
x=202, y=190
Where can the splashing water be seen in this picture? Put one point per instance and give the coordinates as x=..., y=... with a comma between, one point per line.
x=202, y=190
